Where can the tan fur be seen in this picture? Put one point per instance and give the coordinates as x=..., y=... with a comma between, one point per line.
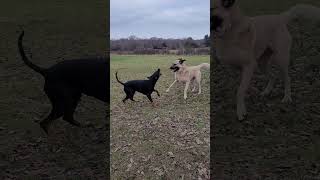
x=244, y=41
x=188, y=74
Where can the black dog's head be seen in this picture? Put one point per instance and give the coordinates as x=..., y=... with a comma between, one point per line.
x=221, y=16
x=177, y=64
x=155, y=76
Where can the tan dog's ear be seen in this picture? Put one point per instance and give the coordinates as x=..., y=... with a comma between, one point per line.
x=228, y=3
x=181, y=60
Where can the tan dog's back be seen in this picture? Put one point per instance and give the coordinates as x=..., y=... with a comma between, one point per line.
x=268, y=30
x=194, y=71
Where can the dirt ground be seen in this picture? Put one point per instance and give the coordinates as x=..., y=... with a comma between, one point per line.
x=170, y=141
x=276, y=141
x=54, y=31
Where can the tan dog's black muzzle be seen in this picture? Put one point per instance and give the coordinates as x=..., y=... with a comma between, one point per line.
x=216, y=22
x=174, y=68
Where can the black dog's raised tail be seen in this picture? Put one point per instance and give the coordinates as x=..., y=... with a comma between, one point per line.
x=118, y=79
x=25, y=58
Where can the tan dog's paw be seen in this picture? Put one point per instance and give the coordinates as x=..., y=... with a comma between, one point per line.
x=286, y=99
x=241, y=112
x=264, y=93
x=242, y=116
x=185, y=97
x=167, y=90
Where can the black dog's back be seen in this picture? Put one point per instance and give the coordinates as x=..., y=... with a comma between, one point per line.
x=90, y=76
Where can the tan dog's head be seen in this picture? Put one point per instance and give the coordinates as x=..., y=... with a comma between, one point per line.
x=221, y=16
x=177, y=65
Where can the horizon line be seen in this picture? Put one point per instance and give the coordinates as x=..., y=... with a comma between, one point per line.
x=159, y=37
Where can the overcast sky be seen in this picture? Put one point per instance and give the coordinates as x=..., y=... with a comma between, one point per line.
x=160, y=18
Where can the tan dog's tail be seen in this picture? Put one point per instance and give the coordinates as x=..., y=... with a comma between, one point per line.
x=302, y=10
x=204, y=66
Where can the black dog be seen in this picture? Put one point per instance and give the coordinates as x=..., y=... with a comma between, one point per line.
x=145, y=87
x=66, y=81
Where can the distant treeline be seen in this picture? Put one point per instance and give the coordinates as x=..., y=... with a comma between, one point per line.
x=135, y=45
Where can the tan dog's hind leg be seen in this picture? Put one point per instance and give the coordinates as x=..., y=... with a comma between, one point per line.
x=282, y=58
x=198, y=80
x=195, y=84
x=186, y=89
x=247, y=73
x=287, y=85
x=271, y=82
x=171, y=85
x=284, y=70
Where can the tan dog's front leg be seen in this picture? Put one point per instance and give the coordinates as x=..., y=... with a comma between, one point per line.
x=171, y=85
x=247, y=73
x=186, y=89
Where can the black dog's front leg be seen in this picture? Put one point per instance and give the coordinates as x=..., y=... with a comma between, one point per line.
x=156, y=92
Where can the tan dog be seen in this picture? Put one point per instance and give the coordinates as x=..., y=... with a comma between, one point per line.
x=244, y=41
x=187, y=74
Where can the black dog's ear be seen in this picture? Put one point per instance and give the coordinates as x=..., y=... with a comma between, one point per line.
x=228, y=3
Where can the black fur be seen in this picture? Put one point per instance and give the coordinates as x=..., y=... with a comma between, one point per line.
x=145, y=87
x=66, y=81
x=228, y=3
x=181, y=60
x=216, y=22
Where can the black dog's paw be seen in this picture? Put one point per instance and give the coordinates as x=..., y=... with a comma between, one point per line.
x=36, y=121
x=44, y=127
x=75, y=123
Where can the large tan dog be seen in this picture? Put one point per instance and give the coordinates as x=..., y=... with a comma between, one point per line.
x=187, y=74
x=244, y=41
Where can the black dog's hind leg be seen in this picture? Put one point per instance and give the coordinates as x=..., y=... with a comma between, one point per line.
x=156, y=92
x=125, y=99
x=56, y=111
x=149, y=97
x=72, y=101
x=54, y=114
x=129, y=94
x=131, y=98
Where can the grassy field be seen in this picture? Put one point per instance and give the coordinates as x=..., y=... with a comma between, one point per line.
x=276, y=141
x=168, y=141
x=54, y=31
